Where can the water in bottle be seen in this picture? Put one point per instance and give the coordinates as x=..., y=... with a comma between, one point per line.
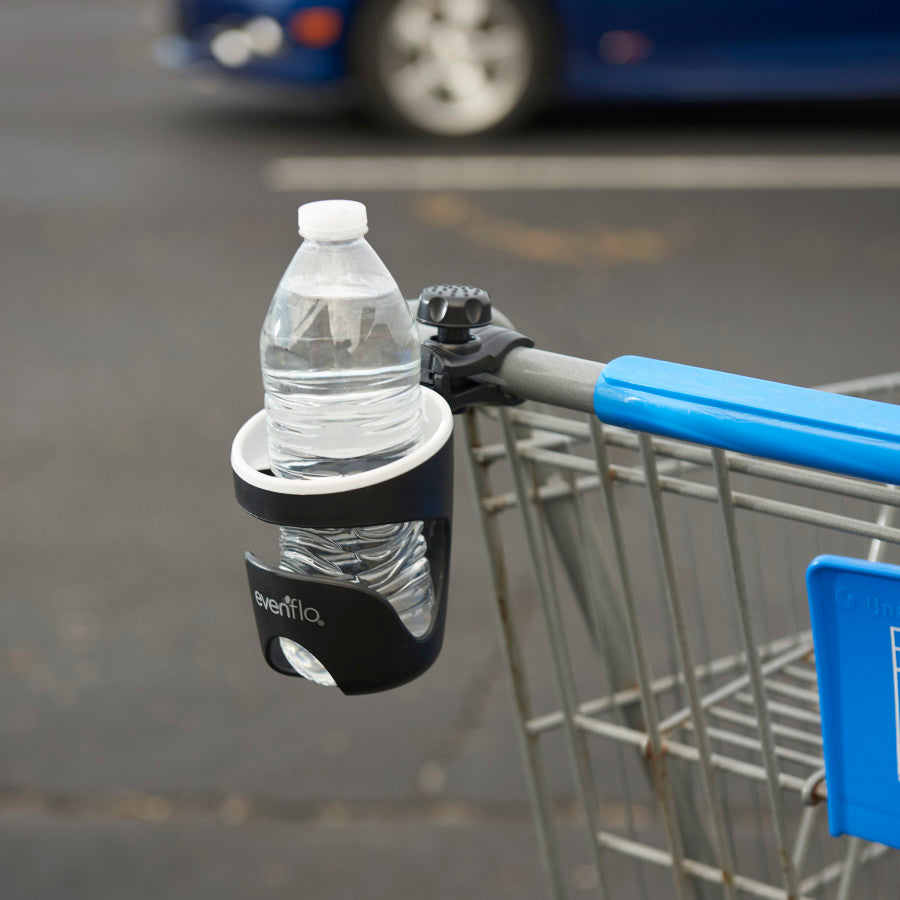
x=340, y=364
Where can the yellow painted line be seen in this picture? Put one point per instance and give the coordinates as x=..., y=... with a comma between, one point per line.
x=538, y=242
x=594, y=173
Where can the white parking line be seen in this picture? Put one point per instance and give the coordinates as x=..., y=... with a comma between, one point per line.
x=571, y=173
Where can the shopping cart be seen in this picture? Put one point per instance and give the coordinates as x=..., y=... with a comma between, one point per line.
x=660, y=656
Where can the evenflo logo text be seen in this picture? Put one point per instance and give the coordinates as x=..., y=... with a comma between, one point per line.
x=289, y=607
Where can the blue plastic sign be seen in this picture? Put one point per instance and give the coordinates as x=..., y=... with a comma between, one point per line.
x=855, y=610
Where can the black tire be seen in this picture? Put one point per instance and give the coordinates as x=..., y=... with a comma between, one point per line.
x=511, y=87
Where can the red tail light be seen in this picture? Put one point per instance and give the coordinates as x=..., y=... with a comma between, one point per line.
x=317, y=27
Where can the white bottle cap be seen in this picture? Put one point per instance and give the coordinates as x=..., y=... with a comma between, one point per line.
x=332, y=220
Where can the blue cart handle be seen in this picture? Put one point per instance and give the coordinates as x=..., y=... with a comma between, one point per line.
x=762, y=418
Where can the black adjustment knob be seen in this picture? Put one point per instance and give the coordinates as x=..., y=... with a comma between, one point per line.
x=454, y=309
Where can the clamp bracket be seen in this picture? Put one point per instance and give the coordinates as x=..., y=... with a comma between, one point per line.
x=457, y=363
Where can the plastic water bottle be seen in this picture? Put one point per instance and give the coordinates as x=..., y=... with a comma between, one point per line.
x=340, y=365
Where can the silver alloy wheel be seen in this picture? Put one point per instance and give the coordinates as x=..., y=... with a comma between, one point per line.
x=455, y=67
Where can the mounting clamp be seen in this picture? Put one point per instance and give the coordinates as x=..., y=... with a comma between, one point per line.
x=457, y=363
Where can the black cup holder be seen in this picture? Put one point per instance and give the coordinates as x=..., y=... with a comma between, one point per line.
x=353, y=631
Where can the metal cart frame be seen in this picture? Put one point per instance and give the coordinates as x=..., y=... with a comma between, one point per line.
x=729, y=733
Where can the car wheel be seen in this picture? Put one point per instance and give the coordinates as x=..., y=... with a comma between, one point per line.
x=452, y=67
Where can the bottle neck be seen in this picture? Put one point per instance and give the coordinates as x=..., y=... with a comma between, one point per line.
x=314, y=243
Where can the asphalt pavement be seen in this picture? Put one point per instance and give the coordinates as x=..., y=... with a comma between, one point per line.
x=145, y=748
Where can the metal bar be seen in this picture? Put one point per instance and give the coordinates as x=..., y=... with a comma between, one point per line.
x=752, y=502
x=692, y=867
x=814, y=788
x=491, y=453
x=863, y=386
x=585, y=560
x=851, y=864
x=639, y=739
x=886, y=516
x=568, y=382
x=777, y=508
x=575, y=428
x=500, y=502
x=804, y=837
x=741, y=740
x=785, y=731
x=590, y=553
x=801, y=674
x=562, y=663
x=745, y=614
x=833, y=872
x=678, y=718
x=686, y=660
x=560, y=460
x=653, y=743
x=790, y=511
x=737, y=462
x=790, y=690
x=564, y=381
x=790, y=712
x=664, y=683
x=541, y=803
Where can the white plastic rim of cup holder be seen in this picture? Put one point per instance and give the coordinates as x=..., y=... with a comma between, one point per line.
x=250, y=455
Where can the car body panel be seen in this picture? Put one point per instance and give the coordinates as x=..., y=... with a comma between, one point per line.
x=659, y=50
x=768, y=49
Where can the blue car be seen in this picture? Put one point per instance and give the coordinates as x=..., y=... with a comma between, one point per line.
x=463, y=67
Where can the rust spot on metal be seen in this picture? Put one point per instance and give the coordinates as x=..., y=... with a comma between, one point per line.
x=786, y=868
x=727, y=878
x=658, y=770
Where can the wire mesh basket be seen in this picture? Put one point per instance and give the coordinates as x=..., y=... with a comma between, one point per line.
x=671, y=622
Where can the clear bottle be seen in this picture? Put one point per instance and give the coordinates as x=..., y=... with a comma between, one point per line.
x=340, y=363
